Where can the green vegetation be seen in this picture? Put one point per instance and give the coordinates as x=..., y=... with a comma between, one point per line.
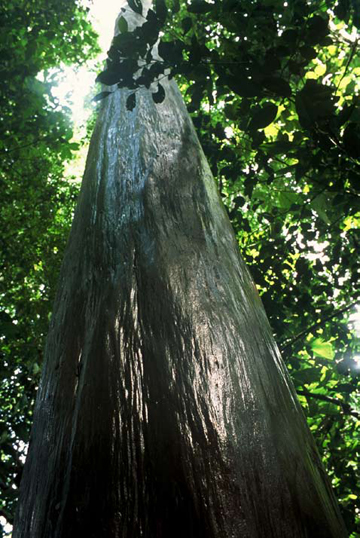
x=274, y=94
x=36, y=203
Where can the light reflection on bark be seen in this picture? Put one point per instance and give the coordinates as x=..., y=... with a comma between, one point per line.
x=181, y=420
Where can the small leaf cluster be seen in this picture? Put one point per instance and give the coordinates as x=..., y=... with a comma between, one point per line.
x=128, y=50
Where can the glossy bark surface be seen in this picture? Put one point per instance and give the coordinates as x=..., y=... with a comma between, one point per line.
x=164, y=408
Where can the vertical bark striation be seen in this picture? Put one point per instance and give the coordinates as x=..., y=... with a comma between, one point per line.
x=164, y=408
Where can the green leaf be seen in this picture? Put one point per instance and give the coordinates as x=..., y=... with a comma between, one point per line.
x=171, y=51
x=199, y=6
x=321, y=206
x=101, y=96
x=243, y=86
x=307, y=52
x=74, y=146
x=36, y=369
x=342, y=10
x=322, y=349
x=314, y=101
x=108, y=77
x=150, y=30
x=186, y=24
x=161, y=10
x=122, y=25
x=196, y=53
x=345, y=387
x=239, y=201
x=351, y=138
x=159, y=96
x=318, y=28
x=307, y=375
x=278, y=85
x=131, y=101
x=295, y=68
x=274, y=148
x=345, y=114
x=328, y=408
x=136, y=6
x=290, y=36
x=263, y=116
x=175, y=6
x=287, y=199
x=271, y=63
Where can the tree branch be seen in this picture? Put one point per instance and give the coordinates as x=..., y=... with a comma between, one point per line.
x=346, y=408
x=303, y=333
x=11, y=150
x=5, y=514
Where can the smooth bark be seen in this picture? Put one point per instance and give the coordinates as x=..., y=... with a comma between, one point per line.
x=164, y=408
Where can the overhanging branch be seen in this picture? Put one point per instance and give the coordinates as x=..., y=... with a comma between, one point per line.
x=346, y=408
x=316, y=325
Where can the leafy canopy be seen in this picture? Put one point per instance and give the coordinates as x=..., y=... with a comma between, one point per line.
x=273, y=90
x=37, y=204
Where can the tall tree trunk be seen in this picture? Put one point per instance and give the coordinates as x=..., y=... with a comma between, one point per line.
x=164, y=408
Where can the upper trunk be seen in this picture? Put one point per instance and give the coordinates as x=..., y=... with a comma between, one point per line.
x=164, y=408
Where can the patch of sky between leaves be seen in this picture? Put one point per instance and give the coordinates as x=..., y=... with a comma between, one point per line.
x=74, y=86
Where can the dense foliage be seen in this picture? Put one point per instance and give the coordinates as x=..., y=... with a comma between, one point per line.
x=37, y=203
x=272, y=88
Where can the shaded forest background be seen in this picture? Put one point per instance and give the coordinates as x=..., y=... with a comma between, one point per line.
x=273, y=90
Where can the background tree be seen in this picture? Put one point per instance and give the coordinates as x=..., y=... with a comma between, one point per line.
x=36, y=203
x=288, y=184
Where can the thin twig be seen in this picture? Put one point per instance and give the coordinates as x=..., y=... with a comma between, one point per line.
x=346, y=408
x=352, y=54
x=7, y=151
x=317, y=324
